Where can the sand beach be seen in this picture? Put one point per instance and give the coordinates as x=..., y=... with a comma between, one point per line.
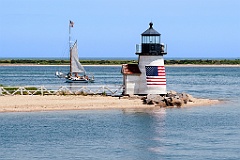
x=29, y=103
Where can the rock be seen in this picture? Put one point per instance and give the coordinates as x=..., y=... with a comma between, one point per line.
x=190, y=98
x=176, y=102
x=170, y=95
x=171, y=99
x=150, y=96
x=172, y=92
x=177, y=97
x=158, y=99
x=185, y=98
x=161, y=104
x=168, y=101
x=155, y=98
x=180, y=95
x=149, y=101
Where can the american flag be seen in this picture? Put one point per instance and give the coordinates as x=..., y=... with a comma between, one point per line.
x=155, y=75
x=71, y=23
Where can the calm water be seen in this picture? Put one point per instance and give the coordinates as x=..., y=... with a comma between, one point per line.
x=211, y=132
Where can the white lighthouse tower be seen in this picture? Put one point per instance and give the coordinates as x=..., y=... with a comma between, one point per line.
x=148, y=76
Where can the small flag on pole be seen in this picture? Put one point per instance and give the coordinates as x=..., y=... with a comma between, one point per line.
x=71, y=23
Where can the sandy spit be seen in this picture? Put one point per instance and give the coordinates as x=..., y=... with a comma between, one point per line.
x=28, y=103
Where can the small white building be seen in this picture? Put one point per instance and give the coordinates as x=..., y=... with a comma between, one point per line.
x=148, y=76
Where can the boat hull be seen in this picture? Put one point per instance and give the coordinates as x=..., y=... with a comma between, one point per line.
x=73, y=80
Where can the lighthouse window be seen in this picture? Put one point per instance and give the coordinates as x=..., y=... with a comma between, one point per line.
x=153, y=39
x=150, y=39
x=145, y=39
x=157, y=39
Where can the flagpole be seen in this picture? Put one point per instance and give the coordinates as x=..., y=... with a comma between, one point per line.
x=69, y=30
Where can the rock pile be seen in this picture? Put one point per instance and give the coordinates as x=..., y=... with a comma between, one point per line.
x=171, y=99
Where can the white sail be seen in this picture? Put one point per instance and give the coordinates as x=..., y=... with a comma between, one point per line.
x=76, y=66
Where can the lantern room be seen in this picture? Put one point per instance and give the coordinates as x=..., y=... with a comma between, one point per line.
x=151, y=43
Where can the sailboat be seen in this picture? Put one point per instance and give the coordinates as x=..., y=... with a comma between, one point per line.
x=77, y=73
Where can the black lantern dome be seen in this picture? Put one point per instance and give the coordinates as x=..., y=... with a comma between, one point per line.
x=150, y=31
x=151, y=42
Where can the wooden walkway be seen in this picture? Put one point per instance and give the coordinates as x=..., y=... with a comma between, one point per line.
x=114, y=90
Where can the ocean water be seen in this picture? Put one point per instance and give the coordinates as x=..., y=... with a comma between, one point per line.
x=204, y=132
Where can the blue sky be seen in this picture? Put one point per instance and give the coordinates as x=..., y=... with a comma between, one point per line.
x=112, y=28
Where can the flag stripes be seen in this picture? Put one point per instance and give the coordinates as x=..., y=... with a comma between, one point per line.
x=155, y=75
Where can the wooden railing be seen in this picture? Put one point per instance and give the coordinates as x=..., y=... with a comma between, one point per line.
x=113, y=90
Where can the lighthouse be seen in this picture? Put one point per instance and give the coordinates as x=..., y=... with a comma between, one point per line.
x=148, y=76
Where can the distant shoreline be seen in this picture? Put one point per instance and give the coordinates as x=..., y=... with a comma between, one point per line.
x=111, y=65
x=117, y=62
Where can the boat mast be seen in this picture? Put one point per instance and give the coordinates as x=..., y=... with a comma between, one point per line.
x=70, y=45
